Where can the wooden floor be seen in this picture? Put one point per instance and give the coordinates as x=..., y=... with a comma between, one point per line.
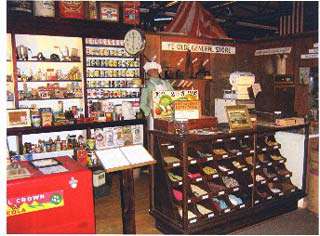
x=108, y=209
x=109, y=221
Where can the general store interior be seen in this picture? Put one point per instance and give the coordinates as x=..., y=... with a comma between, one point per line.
x=162, y=117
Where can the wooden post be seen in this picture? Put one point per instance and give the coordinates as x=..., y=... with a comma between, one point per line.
x=127, y=201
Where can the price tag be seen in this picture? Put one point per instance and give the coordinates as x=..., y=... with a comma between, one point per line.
x=251, y=151
x=239, y=153
x=215, y=176
x=176, y=164
x=209, y=158
x=221, y=193
x=258, y=166
x=242, y=206
x=233, y=138
x=219, y=140
x=250, y=185
x=205, y=197
x=263, y=182
x=180, y=183
x=280, y=194
x=189, y=200
x=245, y=169
x=198, y=179
x=275, y=178
x=230, y=172
x=235, y=189
x=225, y=156
x=256, y=201
x=170, y=146
x=211, y=215
x=293, y=190
x=275, y=147
x=193, y=162
x=270, y=163
x=281, y=161
x=246, y=136
x=287, y=175
x=269, y=197
x=193, y=221
x=264, y=149
x=226, y=210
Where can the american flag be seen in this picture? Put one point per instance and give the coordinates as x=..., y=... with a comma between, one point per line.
x=193, y=20
x=292, y=22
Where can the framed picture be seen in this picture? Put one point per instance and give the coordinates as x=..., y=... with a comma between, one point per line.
x=18, y=118
x=238, y=117
x=109, y=11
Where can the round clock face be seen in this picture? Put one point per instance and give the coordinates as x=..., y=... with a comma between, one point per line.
x=134, y=42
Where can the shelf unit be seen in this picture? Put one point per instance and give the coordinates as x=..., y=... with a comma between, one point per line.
x=204, y=184
x=19, y=24
x=103, y=59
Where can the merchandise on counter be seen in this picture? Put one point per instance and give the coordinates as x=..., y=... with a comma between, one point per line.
x=191, y=215
x=220, y=204
x=170, y=159
x=177, y=194
x=219, y=151
x=203, y=210
x=173, y=177
x=197, y=191
x=230, y=182
x=236, y=201
x=209, y=170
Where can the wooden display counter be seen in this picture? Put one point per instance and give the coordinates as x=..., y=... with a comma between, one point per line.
x=222, y=181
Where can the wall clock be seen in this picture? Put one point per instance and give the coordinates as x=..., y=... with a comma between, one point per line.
x=134, y=42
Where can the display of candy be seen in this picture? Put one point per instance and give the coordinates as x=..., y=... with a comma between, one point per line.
x=112, y=63
x=105, y=93
x=104, y=42
x=107, y=52
x=113, y=73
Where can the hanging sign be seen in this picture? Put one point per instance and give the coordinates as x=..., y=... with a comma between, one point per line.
x=313, y=50
x=272, y=51
x=203, y=48
x=34, y=202
x=309, y=56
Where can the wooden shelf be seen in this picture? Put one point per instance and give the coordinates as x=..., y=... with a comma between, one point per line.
x=49, y=81
x=121, y=57
x=29, y=61
x=103, y=67
x=114, y=87
x=111, y=98
x=78, y=126
x=24, y=24
x=220, y=184
x=40, y=99
x=104, y=46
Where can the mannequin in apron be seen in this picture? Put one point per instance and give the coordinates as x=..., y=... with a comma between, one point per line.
x=154, y=83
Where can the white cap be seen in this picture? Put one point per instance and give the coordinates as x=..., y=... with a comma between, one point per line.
x=152, y=65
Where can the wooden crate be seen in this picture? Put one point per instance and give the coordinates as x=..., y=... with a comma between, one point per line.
x=202, y=122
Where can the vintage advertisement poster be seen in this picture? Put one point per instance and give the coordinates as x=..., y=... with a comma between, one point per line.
x=163, y=101
x=35, y=202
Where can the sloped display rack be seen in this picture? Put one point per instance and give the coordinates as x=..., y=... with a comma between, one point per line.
x=218, y=183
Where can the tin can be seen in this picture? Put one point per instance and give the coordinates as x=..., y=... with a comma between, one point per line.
x=92, y=10
x=71, y=9
x=36, y=120
x=44, y=8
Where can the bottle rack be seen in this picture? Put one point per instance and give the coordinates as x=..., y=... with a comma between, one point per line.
x=110, y=73
x=199, y=183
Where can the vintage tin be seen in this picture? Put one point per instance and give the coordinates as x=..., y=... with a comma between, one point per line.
x=71, y=9
x=44, y=8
